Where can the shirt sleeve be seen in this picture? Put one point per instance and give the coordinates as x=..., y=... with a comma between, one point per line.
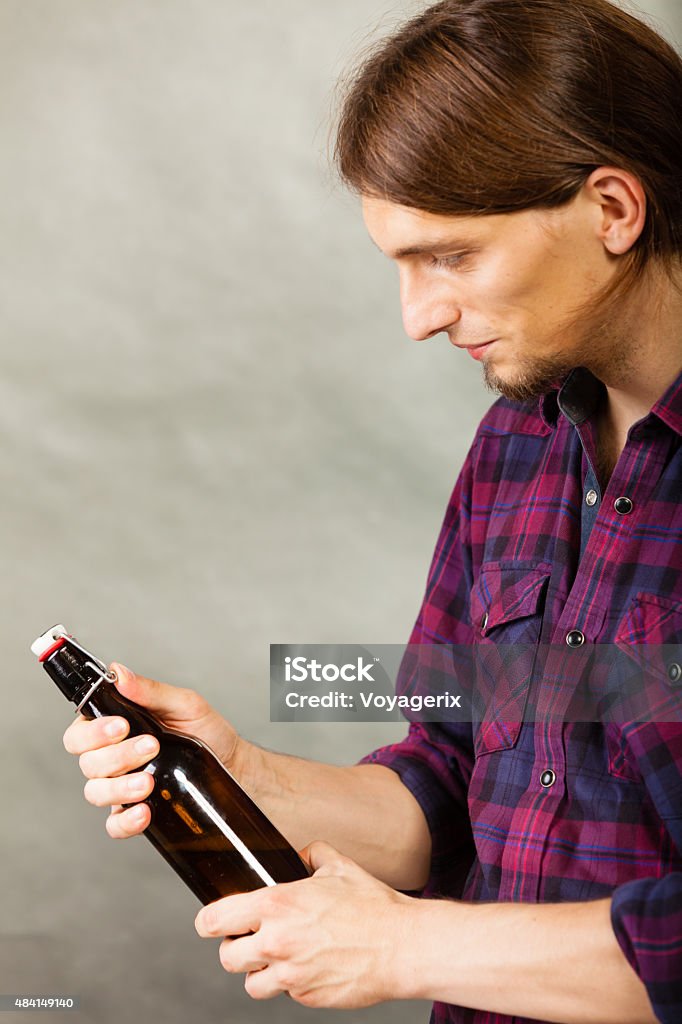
x=646, y=913
x=435, y=760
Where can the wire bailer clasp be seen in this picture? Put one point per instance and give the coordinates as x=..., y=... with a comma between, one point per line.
x=100, y=670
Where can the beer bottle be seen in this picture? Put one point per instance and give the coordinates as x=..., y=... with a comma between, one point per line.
x=203, y=823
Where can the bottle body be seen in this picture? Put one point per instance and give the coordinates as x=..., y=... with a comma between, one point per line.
x=202, y=822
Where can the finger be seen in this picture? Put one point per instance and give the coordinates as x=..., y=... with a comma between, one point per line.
x=126, y=789
x=119, y=758
x=84, y=735
x=241, y=955
x=160, y=698
x=130, y=822
x=263, y=984
x=320, y=854
x=233, y=915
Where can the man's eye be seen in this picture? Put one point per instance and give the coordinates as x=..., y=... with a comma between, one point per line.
x=448, y=261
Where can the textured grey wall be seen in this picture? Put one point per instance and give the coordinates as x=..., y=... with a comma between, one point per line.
x=214, y=434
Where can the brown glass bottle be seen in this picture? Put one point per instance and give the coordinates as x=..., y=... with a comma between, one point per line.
x=203, y=823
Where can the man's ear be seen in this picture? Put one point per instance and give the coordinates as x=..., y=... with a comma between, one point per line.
x=622, y=206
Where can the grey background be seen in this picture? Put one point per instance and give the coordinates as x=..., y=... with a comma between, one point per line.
x=214, y=435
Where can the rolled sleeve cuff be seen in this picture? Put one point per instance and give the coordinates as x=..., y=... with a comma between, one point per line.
x=646, y=915
x=443, y=803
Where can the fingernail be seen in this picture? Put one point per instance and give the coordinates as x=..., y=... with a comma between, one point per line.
x=139, y=813
x=138, y=785
x=120, y=671
x=116, y=728
x=146, y=745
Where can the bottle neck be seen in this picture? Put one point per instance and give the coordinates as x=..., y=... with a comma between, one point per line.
x=93, y=695
x=73, y=674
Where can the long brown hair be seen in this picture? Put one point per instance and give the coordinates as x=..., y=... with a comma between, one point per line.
x=493, y=106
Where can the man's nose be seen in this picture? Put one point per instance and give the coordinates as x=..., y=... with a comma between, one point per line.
x=426, y=309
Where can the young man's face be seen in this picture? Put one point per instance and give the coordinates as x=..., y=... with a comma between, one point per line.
x=516, y=280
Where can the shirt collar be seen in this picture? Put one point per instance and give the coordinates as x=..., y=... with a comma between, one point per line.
x=579, y=394
x=669, y=407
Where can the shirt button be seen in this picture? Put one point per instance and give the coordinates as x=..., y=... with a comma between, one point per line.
x=548, y=778
x=575, y=638
x=674, y=672
x=484, y=620
x=591, y=498
x=623, y=506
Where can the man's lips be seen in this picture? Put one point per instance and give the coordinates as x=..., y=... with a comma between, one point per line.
x=477, y=351
x=481, y=345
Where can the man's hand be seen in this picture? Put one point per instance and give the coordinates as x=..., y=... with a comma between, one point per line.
x=107, y=756
x=328, y=941
x=363, y=809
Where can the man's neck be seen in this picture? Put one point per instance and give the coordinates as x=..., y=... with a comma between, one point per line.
x=652, y=360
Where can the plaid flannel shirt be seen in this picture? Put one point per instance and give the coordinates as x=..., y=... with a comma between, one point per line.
x=530, y=550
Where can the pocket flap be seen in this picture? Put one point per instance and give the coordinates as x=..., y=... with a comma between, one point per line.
x=651, y=619
x=504, y=593
x=650, y=633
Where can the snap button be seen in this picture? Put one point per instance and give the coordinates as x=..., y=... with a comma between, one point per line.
x=548, y=778
x=575, y=638
x=484, y=620
x=591, y=498
x=674, y=672
x=623, y=506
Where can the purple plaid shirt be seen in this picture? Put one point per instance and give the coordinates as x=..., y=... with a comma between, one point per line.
x=529, y=551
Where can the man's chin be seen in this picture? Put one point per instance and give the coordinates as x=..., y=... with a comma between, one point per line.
x=528, y=384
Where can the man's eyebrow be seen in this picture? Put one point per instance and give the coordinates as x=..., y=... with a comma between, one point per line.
x=438, y=245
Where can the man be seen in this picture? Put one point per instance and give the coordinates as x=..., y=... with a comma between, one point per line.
x=521, y=162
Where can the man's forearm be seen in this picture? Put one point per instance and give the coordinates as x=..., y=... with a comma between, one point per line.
x=550, y=962
x=363, y=810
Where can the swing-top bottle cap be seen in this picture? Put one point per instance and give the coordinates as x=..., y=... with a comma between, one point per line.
x=49, y=641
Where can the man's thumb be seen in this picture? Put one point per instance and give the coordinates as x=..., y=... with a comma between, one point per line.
x=318, y=854
x=147, y=692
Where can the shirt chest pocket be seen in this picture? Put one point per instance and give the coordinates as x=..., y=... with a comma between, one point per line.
x=507, y=607
x=648, y=641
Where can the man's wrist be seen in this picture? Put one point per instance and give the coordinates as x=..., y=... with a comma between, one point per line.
x=414, y=932
x=240, y=761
